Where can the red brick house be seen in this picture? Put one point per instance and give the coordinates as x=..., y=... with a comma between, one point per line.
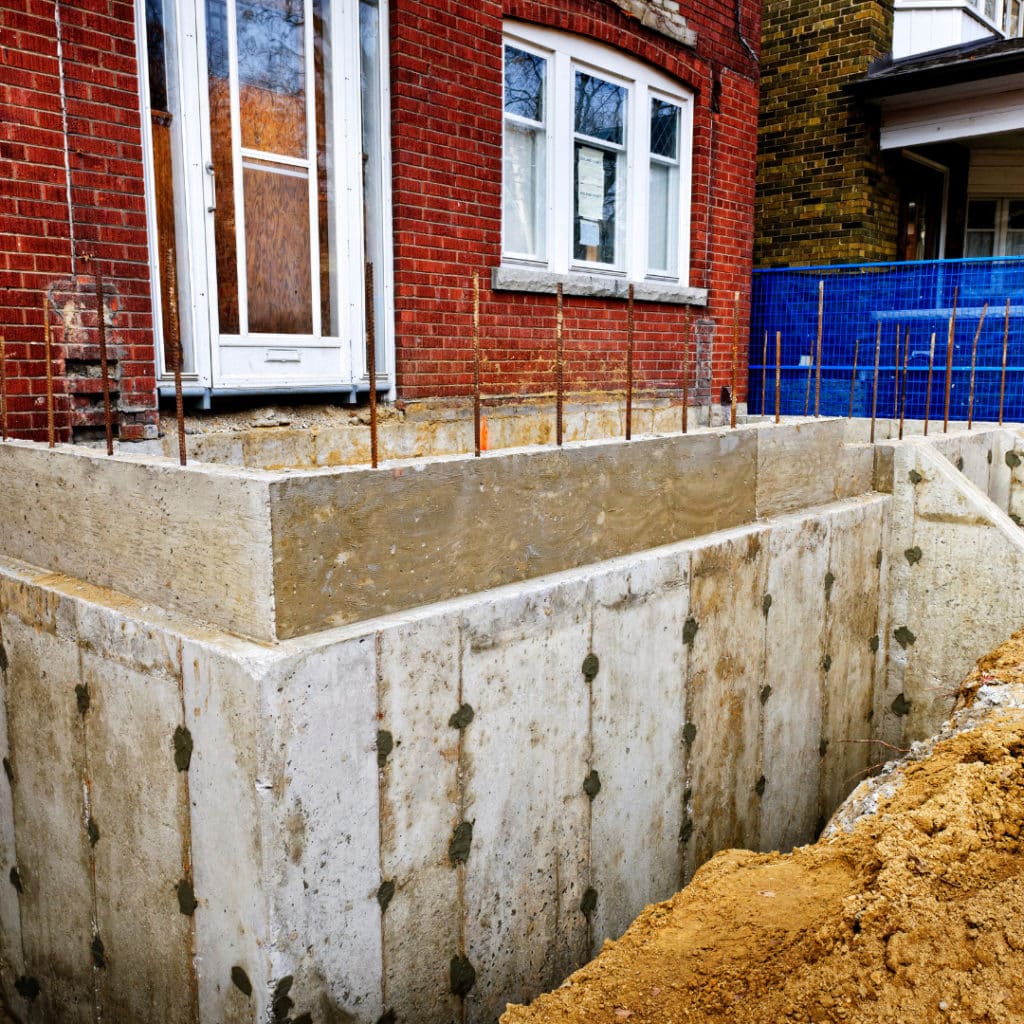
x=260, y=152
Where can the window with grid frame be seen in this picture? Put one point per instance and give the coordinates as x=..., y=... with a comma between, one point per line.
x=597, y=146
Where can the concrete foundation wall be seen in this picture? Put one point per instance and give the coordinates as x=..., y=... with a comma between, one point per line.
x=349, y=544
x=452, y=806
x=506, y=778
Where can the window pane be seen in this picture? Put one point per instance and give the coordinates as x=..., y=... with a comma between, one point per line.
x=524, y=84
x=523, y=188
x=665, y=129
x=272, y=76
x=277, y=249
x=981, y=213
x=980, y=243
x=1016, y=215
x=594, y=223
x=664, y=216
x=223, y=164
x=600, y=108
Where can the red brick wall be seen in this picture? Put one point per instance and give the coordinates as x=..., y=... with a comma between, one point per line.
x=447, y=127
x=447, y=130
x=45, y=249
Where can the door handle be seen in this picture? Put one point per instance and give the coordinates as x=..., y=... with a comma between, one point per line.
x=211, y=171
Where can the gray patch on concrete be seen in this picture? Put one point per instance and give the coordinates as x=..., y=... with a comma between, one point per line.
x=590, y=667
x=904, y=637
x=462, y=717
x=182, y=743
x=690, y=628
x=592, y=784
x=241, y=980
x=462, y=840
x=913, y=555
x=385, y=893
x=589, y=902
x=900, y=705
x=385, y=744
x=462, y=976
x=914, y=477
x=1013, y=460
x=186, y=897
x=82, y=698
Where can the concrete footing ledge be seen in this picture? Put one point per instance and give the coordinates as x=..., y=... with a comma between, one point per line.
x=425, y=815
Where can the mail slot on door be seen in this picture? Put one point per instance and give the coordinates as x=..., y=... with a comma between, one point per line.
x=283, y=355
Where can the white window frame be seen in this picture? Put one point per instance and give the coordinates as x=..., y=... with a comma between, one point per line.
x=565, y=54
x=1002, y=224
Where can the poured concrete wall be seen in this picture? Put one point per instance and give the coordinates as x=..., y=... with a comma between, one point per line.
x=278, y=555
x=198, y=827
x=506, y=778
x=956, y=585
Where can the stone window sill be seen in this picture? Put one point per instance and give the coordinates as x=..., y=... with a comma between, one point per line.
x=601, y=286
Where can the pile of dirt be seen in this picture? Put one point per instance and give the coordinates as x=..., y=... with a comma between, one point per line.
x=910, y=910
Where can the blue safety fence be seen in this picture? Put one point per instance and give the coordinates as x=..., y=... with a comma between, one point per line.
x=909, y=303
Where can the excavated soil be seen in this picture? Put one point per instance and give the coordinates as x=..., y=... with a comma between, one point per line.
x=916, y=915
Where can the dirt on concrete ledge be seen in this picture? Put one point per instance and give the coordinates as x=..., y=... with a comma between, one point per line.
x=911, y=909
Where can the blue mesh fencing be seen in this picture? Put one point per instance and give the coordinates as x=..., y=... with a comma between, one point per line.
x=907, y=308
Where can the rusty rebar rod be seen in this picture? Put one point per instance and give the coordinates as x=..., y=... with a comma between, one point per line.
x=853, y=375
x=903, y=390
x=371, y=360
x=764, y=372
x=928, y=386
x=974, y=360
x=896, y=377
x=874, y=386
x=3, y=387
x=476, y=363
x=807, y=389
x=817, y=371
x=778, y=374
x=176, y=352
x=559, y=365
x=629, y=366
x=735, y=358
x=48, y=355
x=686, y=382
x=1002, y=376
x=949, y=360
x=101, y=325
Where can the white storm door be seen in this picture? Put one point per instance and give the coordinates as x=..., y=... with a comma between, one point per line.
x=284, y=226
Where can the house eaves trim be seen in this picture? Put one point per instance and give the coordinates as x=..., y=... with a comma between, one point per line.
x=950, y=67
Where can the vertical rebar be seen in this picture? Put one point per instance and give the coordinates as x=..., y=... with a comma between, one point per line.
x=974, y=359
x=3, y=388
x=47, y=345
x=629, y=367
x=559, y=367
x=764, y=372
x=735, y=357
x=686, y=382
x=807, y=389
x=476, y=363
x=371, y=361
x=928, y=386
x=817, y=372
x=853, y=375
x=101, y=325
x=874, y=386
x=903, y=390
x=1002, y=377
x=896, y=377
x=176, y=353
x=778, y=374
x=949, y=360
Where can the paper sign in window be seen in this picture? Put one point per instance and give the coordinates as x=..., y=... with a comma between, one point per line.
x=590, y=184
x=590, y=232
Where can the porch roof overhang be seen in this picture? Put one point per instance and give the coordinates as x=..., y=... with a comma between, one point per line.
x=950, y=95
